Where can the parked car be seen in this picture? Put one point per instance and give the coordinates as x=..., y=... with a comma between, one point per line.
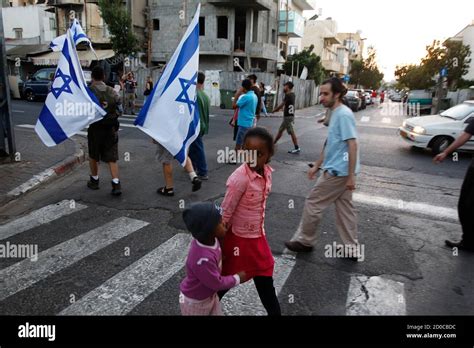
x=362, y=98
x=421, y=98
x=368, y=98
x=396, y=97
x=437, y=132
x=39, y=84
x=353, y=100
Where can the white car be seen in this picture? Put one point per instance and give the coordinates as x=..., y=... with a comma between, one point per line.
x=437, y=132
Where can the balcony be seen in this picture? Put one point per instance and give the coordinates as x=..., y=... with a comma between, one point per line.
x=295, y=24
x=331, y=65
x=215, y=47
x=263, y=50
x=66, y=3
x=259, y=5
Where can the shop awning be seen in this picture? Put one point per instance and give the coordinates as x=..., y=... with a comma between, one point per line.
x=86, y=57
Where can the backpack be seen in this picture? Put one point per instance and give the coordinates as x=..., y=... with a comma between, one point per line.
x=107, y=101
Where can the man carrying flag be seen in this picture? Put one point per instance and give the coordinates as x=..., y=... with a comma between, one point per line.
x=170, y=115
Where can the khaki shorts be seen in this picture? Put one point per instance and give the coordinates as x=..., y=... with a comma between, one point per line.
x=163, y=155
x=287, y=124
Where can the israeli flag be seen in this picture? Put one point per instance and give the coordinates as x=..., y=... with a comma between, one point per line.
x=171, y=115
x=70, y=105
x=78, y=36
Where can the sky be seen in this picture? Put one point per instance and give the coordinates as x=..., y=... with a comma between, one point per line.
x=399, y=30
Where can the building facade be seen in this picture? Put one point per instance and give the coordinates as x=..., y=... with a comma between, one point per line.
x=233, y=34
x=466, y=36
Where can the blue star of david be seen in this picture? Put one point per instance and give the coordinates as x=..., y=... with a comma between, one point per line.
x=65, y=88
x=183, y=96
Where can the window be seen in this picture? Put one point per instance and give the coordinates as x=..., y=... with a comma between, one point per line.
x=255, y=27
x=156, y=24
x=222, y=27
x=274, y=36
x=52, y=23
x=202, y=26
x=43, y=75
x=18, y=33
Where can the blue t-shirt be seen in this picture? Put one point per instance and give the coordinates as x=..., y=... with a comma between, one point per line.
x=342, y=127
x=247, y=104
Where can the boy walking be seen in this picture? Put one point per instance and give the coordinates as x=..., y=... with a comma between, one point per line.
x=288, y=117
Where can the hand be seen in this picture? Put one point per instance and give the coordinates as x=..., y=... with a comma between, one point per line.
x=351, y=183
x=440, y=158
x=312, y=172
x=242, y=276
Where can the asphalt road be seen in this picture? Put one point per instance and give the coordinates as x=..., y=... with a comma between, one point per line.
x=125, y=255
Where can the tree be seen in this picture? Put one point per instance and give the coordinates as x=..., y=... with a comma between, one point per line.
x=413, y=76
x=306, y=58
x=366, y=72
x=119, y=23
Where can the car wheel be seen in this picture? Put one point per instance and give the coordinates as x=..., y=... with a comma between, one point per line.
x=440, y=144
x=30, y=96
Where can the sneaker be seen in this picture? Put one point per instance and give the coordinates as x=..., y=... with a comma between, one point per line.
x=295, y=151
x=116, y=189
x=197, y=183
x=93, y=184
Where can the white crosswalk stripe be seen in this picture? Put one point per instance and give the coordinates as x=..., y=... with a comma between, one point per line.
x=39, y=217
x=244, y=300
x=123, y=292
x=365, y=119
x=26, y=273
x=375, y=296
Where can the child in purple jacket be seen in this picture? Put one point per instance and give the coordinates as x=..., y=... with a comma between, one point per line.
x=204, y=263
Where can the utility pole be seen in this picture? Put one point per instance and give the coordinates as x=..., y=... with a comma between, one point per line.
x=6, y=124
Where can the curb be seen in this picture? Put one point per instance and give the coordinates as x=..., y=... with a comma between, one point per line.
x=47, y=176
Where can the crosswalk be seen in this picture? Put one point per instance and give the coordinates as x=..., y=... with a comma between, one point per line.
x=129, y=287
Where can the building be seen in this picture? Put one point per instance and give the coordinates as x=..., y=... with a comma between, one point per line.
x=355, y=44
x=322, y=34
x=233, y=33
x=36, y=27
x=292, y=24
x=467, y=37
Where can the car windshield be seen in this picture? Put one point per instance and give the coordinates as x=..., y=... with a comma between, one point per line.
x=351, y=93
x=459, y=112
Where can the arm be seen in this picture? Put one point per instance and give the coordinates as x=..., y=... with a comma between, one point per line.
x=464, y=138
x=236, y=97
x=280, y=107
x=312, y=171
x=352, y=144
x=209, y=274
x=235, y=190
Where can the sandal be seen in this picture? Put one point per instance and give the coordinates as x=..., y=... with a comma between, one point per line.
x=165, y=191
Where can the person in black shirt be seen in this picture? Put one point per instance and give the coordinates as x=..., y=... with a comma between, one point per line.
x=288, y=117
x=466, y=199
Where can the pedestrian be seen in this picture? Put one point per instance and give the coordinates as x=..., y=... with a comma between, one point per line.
x=130, y=88
x=148, y=87
x=382, y=97
x=466, y=199
x=263, y=99
x=256, y=89
x=204, y=262
x=164, y=157
x=245, y=246
x=288, y=117
x=102, y=136
x=339, y=162
x=246, y=115
x=196, y=150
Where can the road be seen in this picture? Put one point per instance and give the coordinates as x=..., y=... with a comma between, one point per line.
x=103, y=255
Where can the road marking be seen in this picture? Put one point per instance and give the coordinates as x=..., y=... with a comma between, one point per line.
x=123, y=292
x=127, y=125
x=30, y=126
x=365, y=119
x=375, y=296
x=411, y=207
x=26, y=273
x=386, y=120
x=244, y=300
x=39, y=217
x=18, y=111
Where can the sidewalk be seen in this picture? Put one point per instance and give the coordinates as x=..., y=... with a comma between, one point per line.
x=37, y=164
x=312, y=111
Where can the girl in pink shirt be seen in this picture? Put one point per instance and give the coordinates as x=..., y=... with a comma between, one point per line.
x=245, y=246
